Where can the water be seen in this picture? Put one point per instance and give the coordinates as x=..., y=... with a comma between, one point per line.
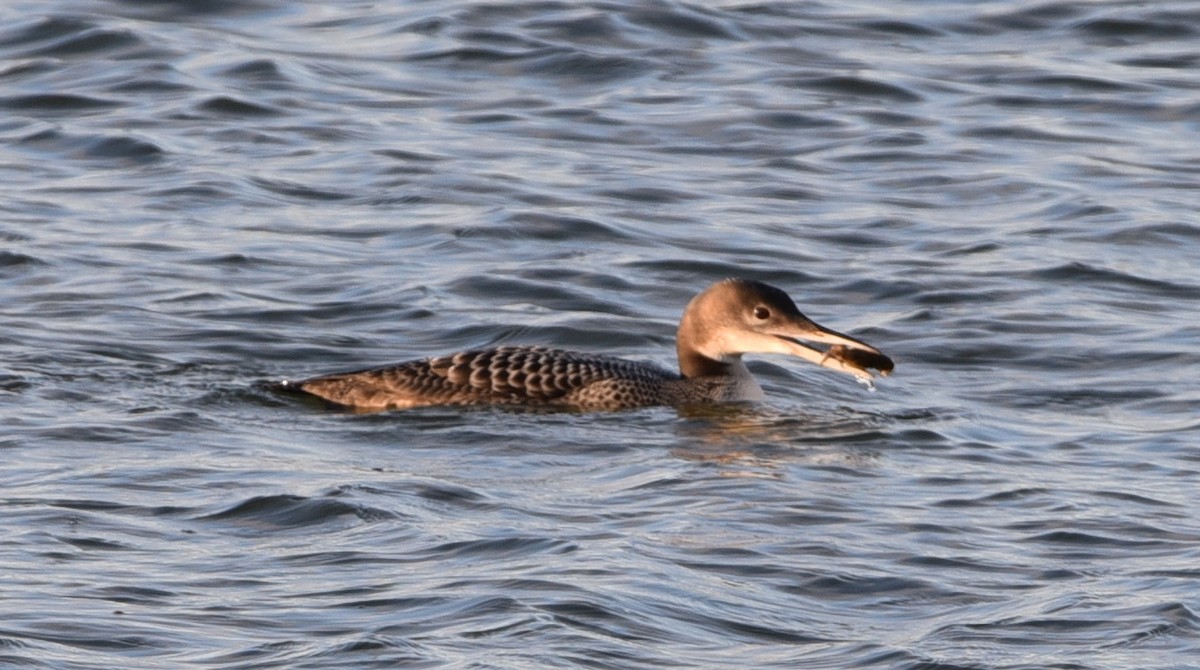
x=199, y=196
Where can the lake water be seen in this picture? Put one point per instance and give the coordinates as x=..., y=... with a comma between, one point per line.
x=199, y=196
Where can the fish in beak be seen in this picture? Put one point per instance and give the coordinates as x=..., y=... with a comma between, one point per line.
x=845, y=354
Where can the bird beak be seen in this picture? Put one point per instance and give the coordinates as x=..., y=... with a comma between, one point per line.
x=845, y=354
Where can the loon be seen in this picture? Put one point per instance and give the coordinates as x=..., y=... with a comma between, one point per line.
x=728, y=319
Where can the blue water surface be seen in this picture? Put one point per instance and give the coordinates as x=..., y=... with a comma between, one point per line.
x=197, y=197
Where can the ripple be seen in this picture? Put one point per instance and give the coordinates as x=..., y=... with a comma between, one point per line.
x=501, y=548
x=1113, y=27
x=55, y=102
x=893, y=27
x=292, y=511
x=12, y=262
x=1093, y=275
x=290, y=189
x=258, y=70
x=681, y=21
x=587, y=69
x=224, y=105
x=91, y=42
x=1090, y=540
x=45, y=29
x=1035, y=135
x=1177, y=61
x=201, y=195
x=648, y=194
x=94, y=147
x=1037, y=17
x=857, y=87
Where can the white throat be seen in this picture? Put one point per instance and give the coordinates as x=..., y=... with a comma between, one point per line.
x=744, y=387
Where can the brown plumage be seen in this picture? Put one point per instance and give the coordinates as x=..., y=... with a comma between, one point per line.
x=730, y=318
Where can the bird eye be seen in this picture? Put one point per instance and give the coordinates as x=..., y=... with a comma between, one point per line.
x=761, y=312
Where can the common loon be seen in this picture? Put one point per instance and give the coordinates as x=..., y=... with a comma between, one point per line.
x=728, y=319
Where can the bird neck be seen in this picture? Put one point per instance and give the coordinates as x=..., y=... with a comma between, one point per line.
x=693, y=364
x=690, y=339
